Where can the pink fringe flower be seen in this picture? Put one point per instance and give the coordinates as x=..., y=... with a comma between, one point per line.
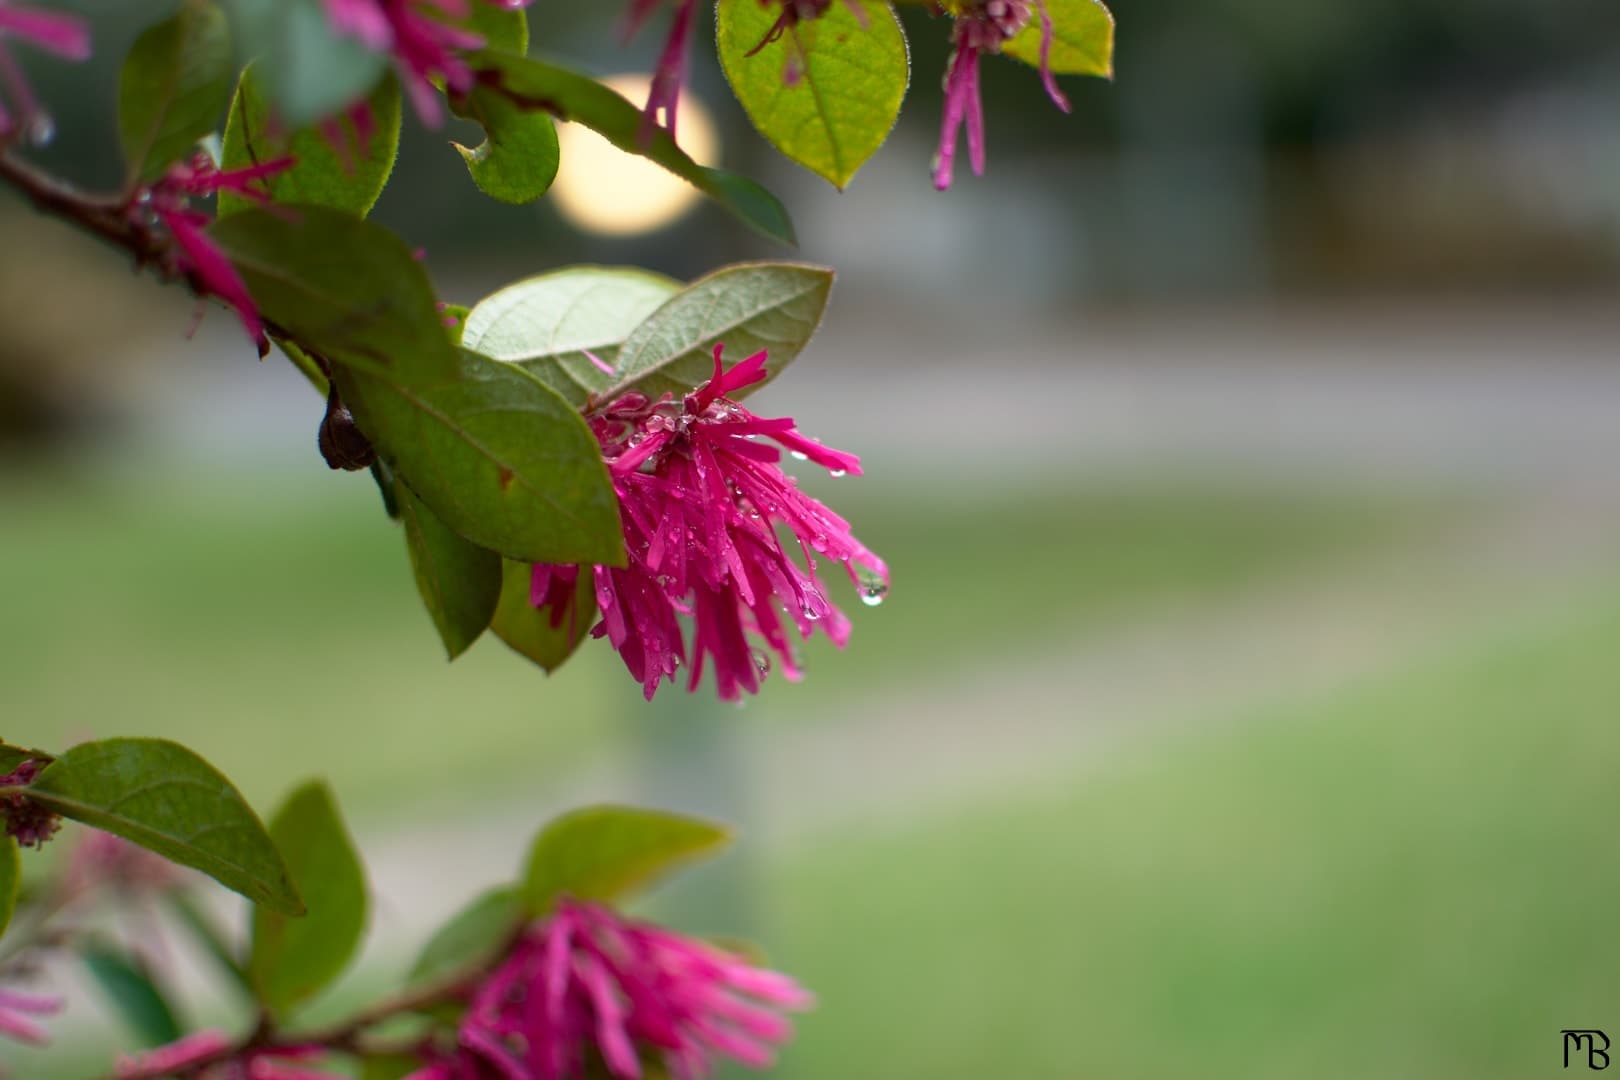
x=700, y=500
x=588, y=985
x=16, y=1009
x=424, y=46
x=29, y=823
x=669, y=77
x=984, y=26
x=67, y=36
x=210, y=1051
x=169, y=201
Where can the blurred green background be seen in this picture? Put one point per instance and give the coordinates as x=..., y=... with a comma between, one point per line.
x=1245, y=704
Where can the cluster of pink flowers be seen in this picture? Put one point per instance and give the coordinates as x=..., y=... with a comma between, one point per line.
x=700, y=499
x=424, y=46
x=27, y=822
x=587, y=985
x=984, y=26
x=67, y=36
x=170, y=203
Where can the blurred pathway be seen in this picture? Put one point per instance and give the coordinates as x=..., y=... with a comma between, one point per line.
x=906, y=751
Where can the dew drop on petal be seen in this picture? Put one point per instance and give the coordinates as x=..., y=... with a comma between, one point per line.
x=762, y=661
x=798, y=455
x=836, y=473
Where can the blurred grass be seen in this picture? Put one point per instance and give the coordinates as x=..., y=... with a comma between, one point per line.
x=1416, y=879
x=267, y=617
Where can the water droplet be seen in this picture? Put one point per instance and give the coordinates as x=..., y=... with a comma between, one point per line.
x=836, y=473
x=873, y=590
x=41, y=129
x=798, y=455
x=762, y=661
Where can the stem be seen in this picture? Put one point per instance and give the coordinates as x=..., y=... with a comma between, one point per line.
x=343, y=1036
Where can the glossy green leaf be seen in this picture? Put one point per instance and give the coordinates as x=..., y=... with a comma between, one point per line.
x=343, y=287
x=827, y=91
x=606, y=852
x=173, y=88
x=133, y=994
x=1082, y=39
x=349, y=179
x=460, y=582
x=10, y=880
x=162, y=796
x=773, y=306
x=517, y=161
x=497, y=455
x=472, y=938
x=529, y=630
x=292, y=960
x=571, y=96
x=312, y=71
x=547, y=323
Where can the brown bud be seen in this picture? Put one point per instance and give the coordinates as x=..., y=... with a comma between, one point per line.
x=341, y=441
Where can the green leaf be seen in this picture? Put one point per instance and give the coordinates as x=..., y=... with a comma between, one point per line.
x=321, y=175
x=605, y=852
x=174, y=84
x=292, y=960
x=165, y=798
x=472, y=938
x=460, y=582
x=827, y=92
x=572, y=96
x=774, y=306
x=495, y=453
x=517, y=161
x=1082, y=39
x=10, y=881
x=547, y=322
x=528, y=629
x=311, y=70
x=133, y=993
x=342, y=287
x=498, y=456
x=13, y=756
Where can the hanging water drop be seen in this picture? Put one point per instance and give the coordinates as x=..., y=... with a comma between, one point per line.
x=762, y=662
x=798, y=455
x=836, y=473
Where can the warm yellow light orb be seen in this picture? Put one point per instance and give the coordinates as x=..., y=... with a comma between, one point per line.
x=604, y=190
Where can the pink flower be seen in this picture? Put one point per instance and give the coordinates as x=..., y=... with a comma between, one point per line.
x=169, y=201
x=26, y=820
x=211, y=1052
x=700, y=500
x=587, y=982
x=15, y=1010
x=424, y=46
x=67, y=36
x=664, y=96
x=984, y=26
